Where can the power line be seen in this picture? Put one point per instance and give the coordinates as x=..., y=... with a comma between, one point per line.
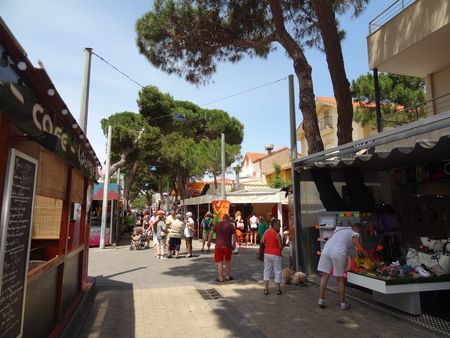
x=244, y=91
x=206, y=104
x=117, y=69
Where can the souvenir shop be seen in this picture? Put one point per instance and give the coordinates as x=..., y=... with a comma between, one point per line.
x=407, y=170
x=47, y=170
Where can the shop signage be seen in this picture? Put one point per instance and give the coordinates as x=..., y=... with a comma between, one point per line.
x=220, y=208
x=43, y=126
x=15, y=239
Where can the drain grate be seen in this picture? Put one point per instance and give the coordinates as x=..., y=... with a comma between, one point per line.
x=210, y=294
x=433, y=323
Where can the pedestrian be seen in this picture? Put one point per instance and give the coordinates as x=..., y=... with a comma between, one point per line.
x=189, y=231
x=146, y=226
x=239, y=221
x=254, y=222
x=161, y=232
x=225, y=244
x=272, y=255
x=175, y=232
x=262, y=227
x=169, y=219
x=334, y=256
x=207, y=224
x=153, y=223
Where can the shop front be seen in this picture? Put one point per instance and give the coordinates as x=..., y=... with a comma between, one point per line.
x=113, y=214
x=47, y=170
x=408, y=228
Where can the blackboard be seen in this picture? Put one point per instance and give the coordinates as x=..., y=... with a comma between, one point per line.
x=15, y=241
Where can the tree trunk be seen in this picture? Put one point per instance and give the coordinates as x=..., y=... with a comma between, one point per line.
x=328, y=193
x=128, y=180
x=333, y=51
x=360, y=196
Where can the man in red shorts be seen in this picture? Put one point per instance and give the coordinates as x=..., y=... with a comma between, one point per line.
x=225, y=244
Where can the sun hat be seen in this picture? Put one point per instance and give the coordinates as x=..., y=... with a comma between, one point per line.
x=189, y=214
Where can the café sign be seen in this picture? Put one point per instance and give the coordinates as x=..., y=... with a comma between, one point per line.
x=43, y=126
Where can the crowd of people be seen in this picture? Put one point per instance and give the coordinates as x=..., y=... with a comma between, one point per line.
x=166, y=231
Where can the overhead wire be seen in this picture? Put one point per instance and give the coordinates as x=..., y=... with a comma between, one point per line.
x=243, y=92
x=203, y=105
x=117, y=69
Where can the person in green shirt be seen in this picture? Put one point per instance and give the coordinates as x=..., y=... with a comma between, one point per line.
x=262, y=227
x=207, y=224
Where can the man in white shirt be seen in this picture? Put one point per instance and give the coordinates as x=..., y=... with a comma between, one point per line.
x=334, y=256
x=189, y=231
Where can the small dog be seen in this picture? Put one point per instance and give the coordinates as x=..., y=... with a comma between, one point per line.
x=289, y=276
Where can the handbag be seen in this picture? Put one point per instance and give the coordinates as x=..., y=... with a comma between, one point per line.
x=262, y=246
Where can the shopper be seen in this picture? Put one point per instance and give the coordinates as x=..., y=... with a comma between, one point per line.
x=175, y=232
x=254, y=222
x=169, y=219
x=153, y=222
x=272, y=255
x=189, y=231
x=207, y=224
x=334, y=256
x=225, y=244
x=262, y=227
x=161, y=232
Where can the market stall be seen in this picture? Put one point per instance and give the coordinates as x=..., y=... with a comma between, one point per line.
x=408, y=228
x=113, y=221
x=47, y=169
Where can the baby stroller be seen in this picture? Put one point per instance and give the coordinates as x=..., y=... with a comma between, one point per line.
x=138, y=239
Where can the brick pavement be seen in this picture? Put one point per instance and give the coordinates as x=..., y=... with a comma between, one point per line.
x=140, y=296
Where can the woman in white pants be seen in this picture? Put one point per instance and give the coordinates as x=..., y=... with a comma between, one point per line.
x=272, y=255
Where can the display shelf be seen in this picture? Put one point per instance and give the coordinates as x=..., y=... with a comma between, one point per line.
x=405, y=297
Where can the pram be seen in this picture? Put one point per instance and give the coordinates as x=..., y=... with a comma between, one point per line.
x=139, y=239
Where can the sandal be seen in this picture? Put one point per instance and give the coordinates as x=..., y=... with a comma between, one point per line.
x=219, y=280
x=266, y=292
x=279, y=292
x=230, y=278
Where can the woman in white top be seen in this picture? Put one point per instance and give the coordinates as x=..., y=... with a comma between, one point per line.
x=334, y=256
x=254, y=222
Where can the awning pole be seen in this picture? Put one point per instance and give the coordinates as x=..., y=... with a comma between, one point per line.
x=377, y=99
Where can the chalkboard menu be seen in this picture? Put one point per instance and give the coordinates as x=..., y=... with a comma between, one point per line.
x=15, y=241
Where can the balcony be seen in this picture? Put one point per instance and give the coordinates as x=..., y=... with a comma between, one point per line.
x=411, y=38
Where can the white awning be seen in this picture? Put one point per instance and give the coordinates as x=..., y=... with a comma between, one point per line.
x=274, y=196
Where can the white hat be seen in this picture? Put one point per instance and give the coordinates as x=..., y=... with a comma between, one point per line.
x=189, y=214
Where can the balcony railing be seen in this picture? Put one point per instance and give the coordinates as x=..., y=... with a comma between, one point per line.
x=388, y=14
x=439, y=104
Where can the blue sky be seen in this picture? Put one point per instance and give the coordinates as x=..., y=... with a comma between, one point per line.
x=56, y=32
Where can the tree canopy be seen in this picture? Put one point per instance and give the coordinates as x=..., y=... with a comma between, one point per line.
x=402, y=99
x=177, y=149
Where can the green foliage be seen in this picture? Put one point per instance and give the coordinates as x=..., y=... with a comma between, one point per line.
x=189, y=38
x=402, y=98
x=278, y=181
x=139, y=203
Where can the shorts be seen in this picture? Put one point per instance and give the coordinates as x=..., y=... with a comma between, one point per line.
x=206, y=234
x=174, y=243
x=337, y=262
x=221, y=254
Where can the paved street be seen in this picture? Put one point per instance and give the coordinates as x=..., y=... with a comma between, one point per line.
x=140, y=296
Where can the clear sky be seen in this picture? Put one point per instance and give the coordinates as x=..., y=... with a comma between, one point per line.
x=56, y=32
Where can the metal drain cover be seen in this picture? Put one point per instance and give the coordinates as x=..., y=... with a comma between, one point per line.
x=210, y=294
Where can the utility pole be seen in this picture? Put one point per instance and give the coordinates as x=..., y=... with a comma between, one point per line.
x=295, y=180
x=222, y=195
x=85, y=91
x=105, y=190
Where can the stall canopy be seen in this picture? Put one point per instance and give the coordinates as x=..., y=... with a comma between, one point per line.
x=113, y=192
x=421, y=142
x=266, y=195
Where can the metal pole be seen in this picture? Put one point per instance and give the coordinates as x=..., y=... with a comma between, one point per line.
x=295, y=181
x=105, y=190
x=377, y=99
x=85, y=91
x=222, y=195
